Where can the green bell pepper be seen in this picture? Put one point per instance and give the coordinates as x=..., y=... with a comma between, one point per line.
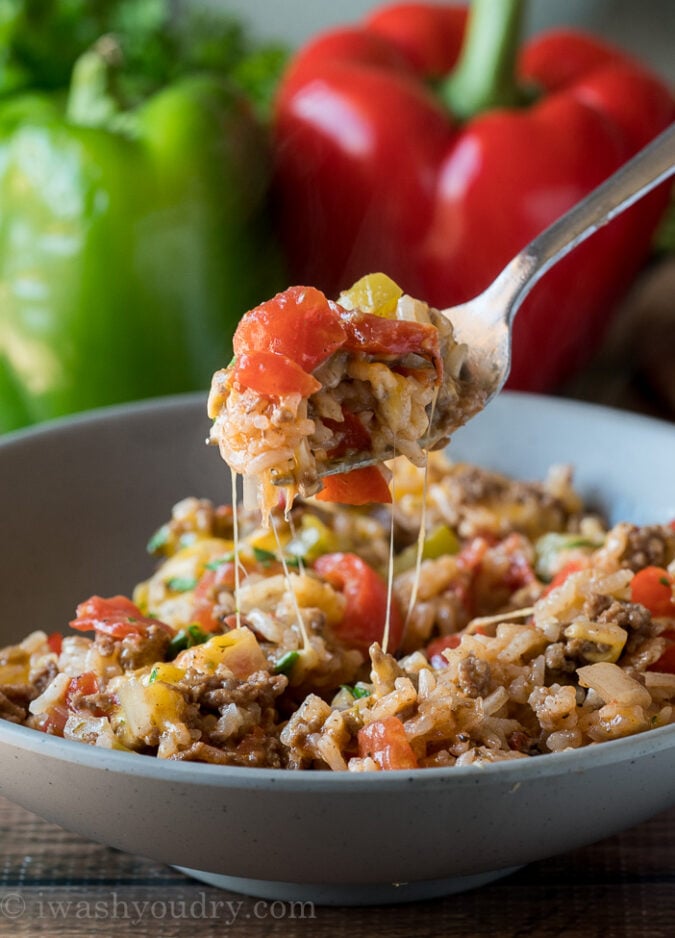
x=130, y=239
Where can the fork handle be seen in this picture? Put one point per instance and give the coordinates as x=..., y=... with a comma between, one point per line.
x=644, y=172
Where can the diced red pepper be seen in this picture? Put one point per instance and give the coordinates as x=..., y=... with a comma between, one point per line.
x=434, y=650
x=271, y=375
x=299, y=324
x=351, y=433
x=653, y=588
x=667, y=660
x=365, y=592
x=362, y=486
x=54, y=721
x=385, y=741
x=116, y=616
x=574, y=566
x=83, y=684
x=211, y=581
x=376, y=335
x=55, y=642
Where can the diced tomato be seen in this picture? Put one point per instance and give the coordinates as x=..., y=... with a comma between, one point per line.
x=434, y=650
x=205, y=595
x=85, y=684
x=653, y=588
x=472, y=554
x=300, y=324
x=574, y=566
x=352, y=435
x=376, y=335
x=469, y=561
x=519, y=572
x=55, y=642
x=271, y=375
x=117, y=617
x=54, y=721
x=365, y=592
x=385, y=741
x=362, y=486
x=667, y=660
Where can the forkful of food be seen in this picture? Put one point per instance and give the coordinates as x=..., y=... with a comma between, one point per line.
x=321, y=393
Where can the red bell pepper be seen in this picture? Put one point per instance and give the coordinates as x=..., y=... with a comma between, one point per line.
x=385, y=742
x=366, y=601
x=412, y=145
x=117, y=617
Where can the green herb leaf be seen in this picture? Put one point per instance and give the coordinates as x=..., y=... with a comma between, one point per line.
x=264, y=557
x=153, y=675
x=181, y=584
x=356, y=691
x=219, y=561
x=186, y=638
x=158, y=540
x=285, y=664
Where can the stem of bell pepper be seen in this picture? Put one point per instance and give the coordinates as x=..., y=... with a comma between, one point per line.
x=92, y=99
x=485, y=76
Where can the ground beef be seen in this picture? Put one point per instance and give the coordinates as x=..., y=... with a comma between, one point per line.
x=629, y=616
x=42, y=680
x=647, y=546
x=221, y=688
x=473, y=676
x=595, y=605
x=256, y=750
x=98, y=704
x=14, y=701
x=136, y=651
x=301, y=733
x=477, y=485
x=236, y=718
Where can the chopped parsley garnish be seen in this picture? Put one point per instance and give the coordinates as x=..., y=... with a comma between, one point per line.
x=158, y=540
x=285, y=664
x=356, y=691
x=186, y=638
x=264, y=557
x=267, y=557
x=181, y=584
x=219, y=561
x=153, y=675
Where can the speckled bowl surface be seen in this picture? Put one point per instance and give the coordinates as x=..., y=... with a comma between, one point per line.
x=78, y=500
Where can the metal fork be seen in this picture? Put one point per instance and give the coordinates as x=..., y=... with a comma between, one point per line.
x=484, y=324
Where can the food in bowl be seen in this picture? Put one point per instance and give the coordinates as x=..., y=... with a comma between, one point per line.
x=526, y=628
x=314, y=383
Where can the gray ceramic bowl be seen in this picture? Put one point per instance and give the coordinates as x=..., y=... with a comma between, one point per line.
x=78, y=500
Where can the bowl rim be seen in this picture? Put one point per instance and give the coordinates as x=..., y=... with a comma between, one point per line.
x=514, y=771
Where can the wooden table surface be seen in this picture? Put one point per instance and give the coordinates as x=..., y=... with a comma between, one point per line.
x=57, y=884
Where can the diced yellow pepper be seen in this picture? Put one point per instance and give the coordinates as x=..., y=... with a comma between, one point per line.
x=146, y=707
x=165, y=671
x=374, y=293
x=264, y=539
x=441, y=541
x=313, y=539
x=238, y=650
